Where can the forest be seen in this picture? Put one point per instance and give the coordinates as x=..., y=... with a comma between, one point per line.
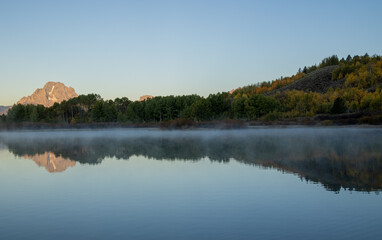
x=359, y=93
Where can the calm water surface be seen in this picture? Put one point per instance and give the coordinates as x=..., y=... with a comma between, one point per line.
x=266, y=183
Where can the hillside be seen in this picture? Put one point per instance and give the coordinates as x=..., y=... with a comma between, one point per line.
x=319, y=81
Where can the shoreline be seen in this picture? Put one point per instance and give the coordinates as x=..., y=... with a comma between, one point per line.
x=182, y=125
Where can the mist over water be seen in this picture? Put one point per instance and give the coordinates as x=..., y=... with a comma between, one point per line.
x=223, y=184
x=348, y=158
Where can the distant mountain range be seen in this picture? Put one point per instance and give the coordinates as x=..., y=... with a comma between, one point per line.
x=52, y=92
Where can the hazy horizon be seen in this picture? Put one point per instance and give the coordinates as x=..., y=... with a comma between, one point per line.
x=130, y=49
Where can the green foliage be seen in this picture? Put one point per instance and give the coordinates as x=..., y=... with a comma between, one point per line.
x=259, y=105
x=135, y=112
x=104, y=111
x=360, y=72
x=17, y=113
x=201, y=110
x=34, y=116
x=338, y=106
x=220, y=105
x=254, y=107
x=329, y=61
x=121, y=104
x=238, y=108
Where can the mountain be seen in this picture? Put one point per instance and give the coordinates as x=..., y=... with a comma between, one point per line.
x=4, y=109
x=145, y=97
x=51, y=93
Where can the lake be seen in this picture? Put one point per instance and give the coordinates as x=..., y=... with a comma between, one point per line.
x=261, y=183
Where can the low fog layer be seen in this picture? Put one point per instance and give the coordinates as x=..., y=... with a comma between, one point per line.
x=337, y=157
x=200, y=133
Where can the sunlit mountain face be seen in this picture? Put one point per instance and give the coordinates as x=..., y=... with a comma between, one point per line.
x=51, y=162
x=52, y=92
x=336, y=158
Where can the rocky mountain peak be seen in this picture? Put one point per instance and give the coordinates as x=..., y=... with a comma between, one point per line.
x=51, y=93
x=145, y=97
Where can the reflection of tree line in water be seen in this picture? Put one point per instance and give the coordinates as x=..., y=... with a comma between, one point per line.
x=353, y=162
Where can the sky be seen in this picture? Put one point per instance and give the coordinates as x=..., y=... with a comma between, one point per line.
x=133, y=48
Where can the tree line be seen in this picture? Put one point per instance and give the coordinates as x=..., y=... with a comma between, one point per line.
x=361, y=92
x=92, y=108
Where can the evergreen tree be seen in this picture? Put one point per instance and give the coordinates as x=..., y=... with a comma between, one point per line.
x=338, y=106
x=34, y=116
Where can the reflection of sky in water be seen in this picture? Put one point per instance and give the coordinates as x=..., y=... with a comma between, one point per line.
x=336, y=157
x=143, y=198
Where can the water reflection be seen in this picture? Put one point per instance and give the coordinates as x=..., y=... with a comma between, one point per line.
x=51, y=162
x=336, y=158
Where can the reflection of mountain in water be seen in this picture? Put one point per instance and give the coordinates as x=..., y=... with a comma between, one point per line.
x=51, y=162
x=336, y=158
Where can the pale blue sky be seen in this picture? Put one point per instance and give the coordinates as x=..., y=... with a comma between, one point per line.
x=133, y=48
